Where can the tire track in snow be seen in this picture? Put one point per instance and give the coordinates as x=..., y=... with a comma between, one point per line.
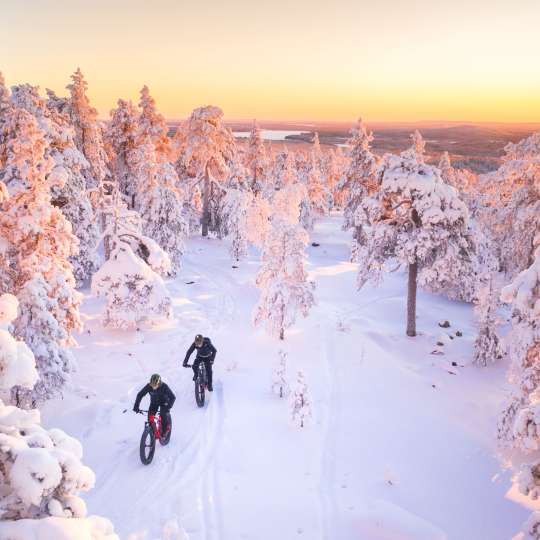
x=201, y=474
x=327, y=492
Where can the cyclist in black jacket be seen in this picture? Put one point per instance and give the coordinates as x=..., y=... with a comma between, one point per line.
x=206, y=353
x=161, y=397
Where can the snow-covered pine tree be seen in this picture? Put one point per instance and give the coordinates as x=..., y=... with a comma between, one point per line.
x=512, y=205
x=258, y=220
x=69, y=163
x=256, y=161
x=206, y=149
x=488, y=347
x=4, y=95
x=300, y=402
x=280, y=386
x=284, y=171
x=523, y=293
x=135, y=294
x=126, y=226
x=237, y=205
x=88, y=133
x=283, y=280
x=40, y=243
x=316, y=153
x=318, y=193
x=120, y=139
x=360, y=178
x=157, y=198
x=519, y=425
x=41, y=470
x=418, y=148
x=331, y=176
x=451, y=176
x=417, y=219
x=153, y=126
x=17, y=363
x=287, y=202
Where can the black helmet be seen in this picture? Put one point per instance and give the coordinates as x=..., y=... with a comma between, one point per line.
x=155, y=380
x=198, y=340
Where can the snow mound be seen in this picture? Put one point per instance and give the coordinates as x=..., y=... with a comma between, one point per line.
x=56, y=528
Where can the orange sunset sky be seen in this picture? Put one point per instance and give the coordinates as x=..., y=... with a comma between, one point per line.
x=394, y=60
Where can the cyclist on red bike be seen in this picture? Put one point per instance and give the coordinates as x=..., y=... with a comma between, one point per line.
x=161, y=397
x=206, y=353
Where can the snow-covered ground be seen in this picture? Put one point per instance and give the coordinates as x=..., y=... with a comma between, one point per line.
x=402, y=443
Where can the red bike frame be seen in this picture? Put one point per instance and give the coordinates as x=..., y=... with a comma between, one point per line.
x=155, y=420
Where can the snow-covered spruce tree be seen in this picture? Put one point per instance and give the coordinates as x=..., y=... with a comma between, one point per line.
x=519, y=425
x=17, y=363
x=319, y=195
x=287, y=202
x=360, y=178
x=332, y=174
x=124, y=225
x=4, y=94
x=120, y=137
x=258, y=221
x=512, y=205
x=280, y=386
x=158, y=200
x=237, y=205
x=153, y=126
x=206, y=149
x=452, y=177
x=40, y=243
x=416, y=218
x=69, y=164
x=42, y=476
x=88, y=133
x=316, y=153
x=40, y=471
x=135, y=294
x=283, y=280
x=256, y=161
x=284, y=171
x=487, y=346
x=300, y=402
x=523, y=293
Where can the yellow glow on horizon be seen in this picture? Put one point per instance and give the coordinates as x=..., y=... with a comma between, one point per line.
x=393, y=60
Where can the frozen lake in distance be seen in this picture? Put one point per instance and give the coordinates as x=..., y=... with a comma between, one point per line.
x=269, y=134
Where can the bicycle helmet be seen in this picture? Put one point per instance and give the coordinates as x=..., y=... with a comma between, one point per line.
x=155, y=380
x=198, y=340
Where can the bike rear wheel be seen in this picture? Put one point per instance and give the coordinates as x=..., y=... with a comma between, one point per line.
x=164, y=439
x=147, y=446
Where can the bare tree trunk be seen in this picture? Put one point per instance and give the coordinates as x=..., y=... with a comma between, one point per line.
x=411, y=300
x=206, y=195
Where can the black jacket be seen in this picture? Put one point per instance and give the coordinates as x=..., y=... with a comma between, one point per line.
x=160, y=396
x=205, y=351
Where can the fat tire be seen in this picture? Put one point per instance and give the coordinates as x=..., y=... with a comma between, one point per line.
x=199, y=393
x=164, y=441
x=147, y=435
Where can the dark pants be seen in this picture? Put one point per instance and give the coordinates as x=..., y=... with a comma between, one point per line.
x=207, y=365
x=165, y=416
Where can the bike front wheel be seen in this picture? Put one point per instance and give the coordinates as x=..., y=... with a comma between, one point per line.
x=147, y=446
x=199, y=393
